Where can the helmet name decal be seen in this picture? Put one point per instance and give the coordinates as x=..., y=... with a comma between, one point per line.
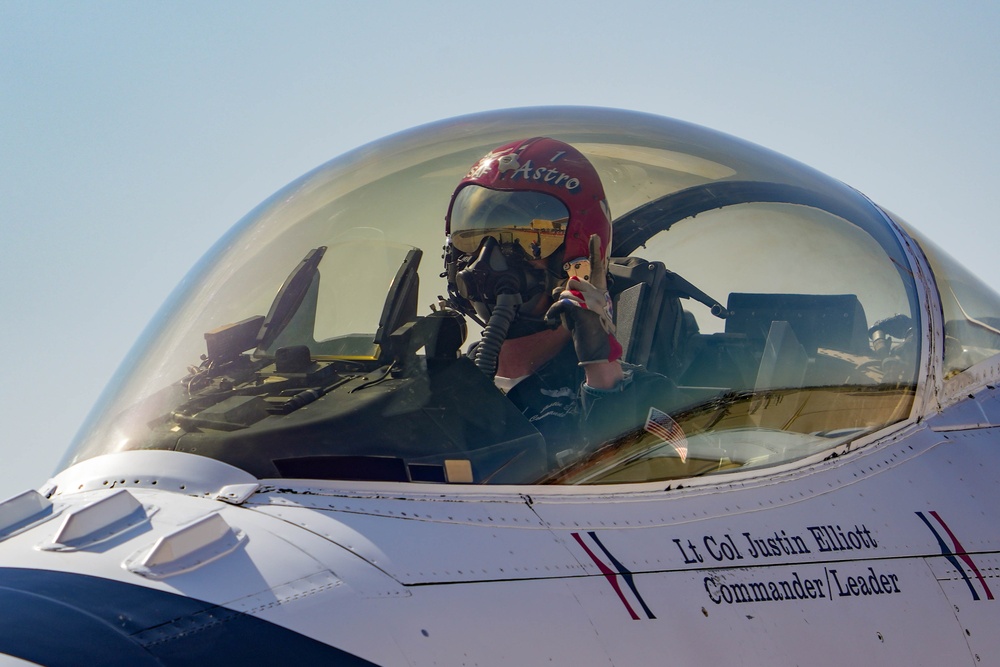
x=529, y=172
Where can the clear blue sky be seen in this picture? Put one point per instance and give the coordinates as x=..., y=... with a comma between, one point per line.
x=133, y=134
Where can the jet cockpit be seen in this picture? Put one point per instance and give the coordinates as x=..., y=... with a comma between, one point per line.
x=792, y=317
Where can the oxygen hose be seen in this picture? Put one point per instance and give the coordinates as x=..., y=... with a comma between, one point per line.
x=495, y=333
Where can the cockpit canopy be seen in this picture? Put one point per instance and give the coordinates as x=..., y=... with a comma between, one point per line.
x=310, y=342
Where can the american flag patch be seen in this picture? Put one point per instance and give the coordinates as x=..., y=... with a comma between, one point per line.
x=661, y=425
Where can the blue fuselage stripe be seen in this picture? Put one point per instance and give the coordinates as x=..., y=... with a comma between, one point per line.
x=60, y=618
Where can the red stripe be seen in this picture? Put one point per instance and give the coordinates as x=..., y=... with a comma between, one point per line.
x=960, y=552
x=608, y=574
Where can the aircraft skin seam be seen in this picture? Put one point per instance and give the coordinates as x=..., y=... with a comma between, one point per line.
x=711, y=568
x=844, y=455
x=883, y=466
x=254, y=611
x=869, y=449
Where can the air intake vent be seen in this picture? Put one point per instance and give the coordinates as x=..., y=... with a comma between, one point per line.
x=187, y=548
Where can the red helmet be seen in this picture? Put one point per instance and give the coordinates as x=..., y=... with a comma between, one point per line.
x=540, y=192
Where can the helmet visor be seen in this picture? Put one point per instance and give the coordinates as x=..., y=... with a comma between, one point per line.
x=535, y=220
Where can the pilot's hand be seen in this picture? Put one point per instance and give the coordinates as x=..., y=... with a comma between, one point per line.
x=584, y=307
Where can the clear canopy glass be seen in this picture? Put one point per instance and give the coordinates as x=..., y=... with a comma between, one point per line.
x=309, y=343
x=970, y=310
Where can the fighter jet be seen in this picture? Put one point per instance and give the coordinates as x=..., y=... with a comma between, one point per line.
x=301, y=461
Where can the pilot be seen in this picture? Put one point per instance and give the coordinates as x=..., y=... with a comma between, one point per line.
x=529, y=232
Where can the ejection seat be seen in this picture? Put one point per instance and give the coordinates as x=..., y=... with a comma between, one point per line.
x=651, y=325
x=769, y=340
x=782, y=341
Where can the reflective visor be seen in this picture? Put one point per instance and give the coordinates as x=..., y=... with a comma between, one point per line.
x=536, y=220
